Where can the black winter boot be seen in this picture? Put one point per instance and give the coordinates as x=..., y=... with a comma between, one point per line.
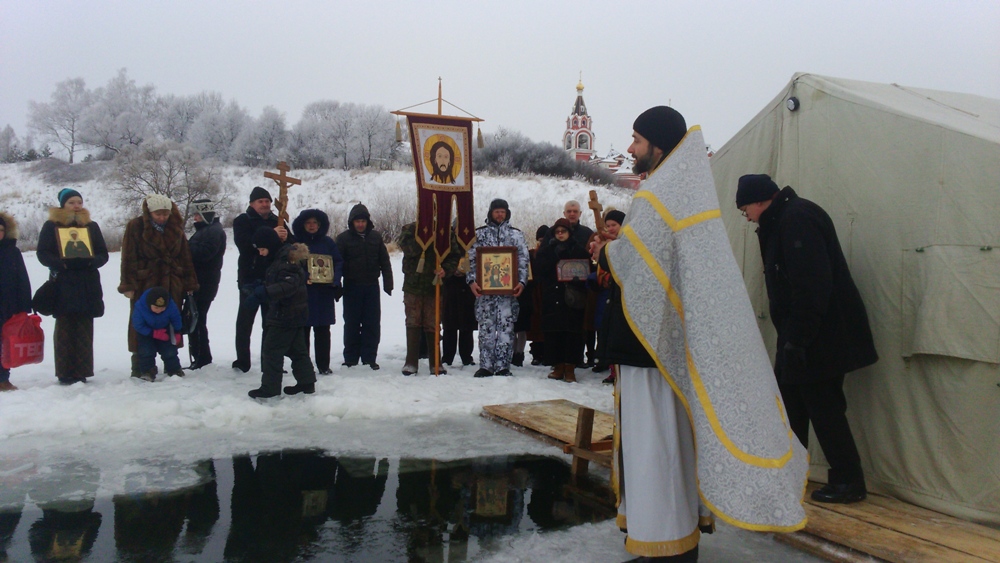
x=518, y=359
x=262, y=393
x=307, y=388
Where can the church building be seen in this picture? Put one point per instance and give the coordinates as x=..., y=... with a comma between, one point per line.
x=579, y=138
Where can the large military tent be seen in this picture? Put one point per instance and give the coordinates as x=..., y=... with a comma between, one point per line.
x=911, y=178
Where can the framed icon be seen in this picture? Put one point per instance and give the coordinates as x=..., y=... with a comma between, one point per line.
x=576, y=268
x=496, y=270
x=74, y=242
x=320, y=268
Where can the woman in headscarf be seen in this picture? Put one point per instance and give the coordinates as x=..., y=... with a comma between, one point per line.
x=73, y=263
x=155, y=253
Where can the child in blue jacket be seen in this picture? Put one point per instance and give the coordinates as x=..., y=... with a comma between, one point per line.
x=157, y=322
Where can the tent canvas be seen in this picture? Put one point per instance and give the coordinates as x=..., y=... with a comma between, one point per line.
x=911, y=178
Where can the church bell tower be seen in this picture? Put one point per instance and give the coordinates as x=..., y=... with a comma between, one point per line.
x=578, y=140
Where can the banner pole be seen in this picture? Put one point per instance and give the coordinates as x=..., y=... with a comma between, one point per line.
x=437, y=318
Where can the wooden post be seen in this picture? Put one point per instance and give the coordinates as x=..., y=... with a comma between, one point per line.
x=284, y=181
x=597, y=208
x=584, y=431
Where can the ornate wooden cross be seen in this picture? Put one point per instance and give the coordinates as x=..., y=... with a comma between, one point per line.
x=284, y=181
x=597, y=207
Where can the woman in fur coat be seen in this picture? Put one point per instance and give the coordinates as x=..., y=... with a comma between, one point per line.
x=15, y=287
x=63, y=249
x=155, y=253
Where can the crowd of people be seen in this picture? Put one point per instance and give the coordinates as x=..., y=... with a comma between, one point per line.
x=293, y=275
x=616, y=298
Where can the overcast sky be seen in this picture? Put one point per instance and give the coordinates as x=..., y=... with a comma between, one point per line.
x=513, y=63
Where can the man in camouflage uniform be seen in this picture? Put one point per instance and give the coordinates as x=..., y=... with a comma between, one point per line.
x=496, y=313
x=419, y=296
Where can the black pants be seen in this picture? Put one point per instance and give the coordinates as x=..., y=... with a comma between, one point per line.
x=322, y=336
x=150, y=347
x=362, y=318
x=198, y=346
x=245, y=317
x=277, y=344
x=563, y=348
x=823, y=403
x=462, y=340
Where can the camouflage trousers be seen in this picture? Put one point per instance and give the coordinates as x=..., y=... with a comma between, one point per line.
x=496, y=315
x=419, y=311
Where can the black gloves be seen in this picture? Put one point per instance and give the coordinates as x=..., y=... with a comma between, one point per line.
x=338, y=292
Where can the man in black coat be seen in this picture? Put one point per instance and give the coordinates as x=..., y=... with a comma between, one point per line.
x=822, y=324
x=258, y=214
x=208, y=246
x=365, y=258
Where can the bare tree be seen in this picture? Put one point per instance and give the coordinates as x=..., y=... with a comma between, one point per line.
x=122, y=114
x=343, y=132
x=10, y=150
x=376, y=136
x=179, y=113
x=312, y=139
x=168, y=168
x=263, y=142
x=215, y=131
x=59, y=120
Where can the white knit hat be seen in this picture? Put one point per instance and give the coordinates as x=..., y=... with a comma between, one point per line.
x=158, y=202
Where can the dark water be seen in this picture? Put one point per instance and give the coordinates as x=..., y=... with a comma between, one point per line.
x=296, y=506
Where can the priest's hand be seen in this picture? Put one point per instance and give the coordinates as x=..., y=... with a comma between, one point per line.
x=518, y=290
x=474, y=287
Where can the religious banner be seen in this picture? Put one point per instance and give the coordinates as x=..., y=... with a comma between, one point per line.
x=442, y=159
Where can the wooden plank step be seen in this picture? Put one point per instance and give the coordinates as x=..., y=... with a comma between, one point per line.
x=555, y=419
x=959, y=535
x=878, y=541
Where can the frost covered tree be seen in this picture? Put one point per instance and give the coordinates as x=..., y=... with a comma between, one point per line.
x=10, y=150
x=173, y=169
x=179, y=113
x=215, y=131
x=343, y=133
x=122, y=114
x=264, y=141
x=60, y=118
x=375, y=136
x=312, y=139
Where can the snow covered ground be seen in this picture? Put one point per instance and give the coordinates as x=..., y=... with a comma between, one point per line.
x=127, y=427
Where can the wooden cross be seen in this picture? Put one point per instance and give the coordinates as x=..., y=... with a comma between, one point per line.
x=597, y=207
x=284, y=181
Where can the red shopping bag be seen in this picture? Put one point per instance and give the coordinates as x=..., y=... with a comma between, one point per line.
x=23, y=340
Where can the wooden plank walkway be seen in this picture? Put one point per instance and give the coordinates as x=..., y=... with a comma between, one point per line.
x=893, y=530
x=878, y=529
x=576, y=429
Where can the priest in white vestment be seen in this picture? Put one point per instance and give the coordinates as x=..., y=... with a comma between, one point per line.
x=701, y=430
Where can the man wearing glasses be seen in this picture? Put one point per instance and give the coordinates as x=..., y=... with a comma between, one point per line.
x=822, y=324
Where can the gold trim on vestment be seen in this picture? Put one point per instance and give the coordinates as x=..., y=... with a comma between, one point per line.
x=663, y=548
x=750, y=459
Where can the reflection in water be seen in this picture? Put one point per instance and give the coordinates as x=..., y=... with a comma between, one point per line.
x=297, y=505
x=148, y=525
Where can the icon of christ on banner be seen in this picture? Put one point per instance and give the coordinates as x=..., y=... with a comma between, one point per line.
x=442, y=158
x=443, y=161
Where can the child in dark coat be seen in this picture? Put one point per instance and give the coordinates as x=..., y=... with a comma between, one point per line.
x=285, y=290
x=157, y=323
